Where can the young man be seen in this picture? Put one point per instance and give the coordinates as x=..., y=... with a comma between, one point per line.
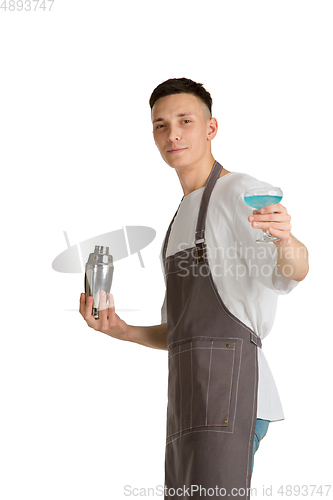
x=221, y=296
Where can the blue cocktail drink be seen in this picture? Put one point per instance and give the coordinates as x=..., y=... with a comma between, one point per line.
x=259, y=201
x=263, y=197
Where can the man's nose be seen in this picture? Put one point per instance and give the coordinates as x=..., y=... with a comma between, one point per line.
x=174, y=134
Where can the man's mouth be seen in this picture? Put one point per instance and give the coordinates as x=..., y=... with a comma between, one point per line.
x=175, y=150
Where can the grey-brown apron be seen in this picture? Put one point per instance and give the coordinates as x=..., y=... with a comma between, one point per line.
x=212, y=378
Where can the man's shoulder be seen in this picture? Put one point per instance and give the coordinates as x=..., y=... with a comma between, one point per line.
x=239, y=180
x=234, y=184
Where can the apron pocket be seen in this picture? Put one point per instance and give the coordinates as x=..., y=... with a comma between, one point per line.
x=203, y=383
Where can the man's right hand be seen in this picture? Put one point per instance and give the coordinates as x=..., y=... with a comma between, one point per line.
x=108, y=322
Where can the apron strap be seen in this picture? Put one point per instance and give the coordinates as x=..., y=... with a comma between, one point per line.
x=166, y=239
x=213, y=176
x=200, y=229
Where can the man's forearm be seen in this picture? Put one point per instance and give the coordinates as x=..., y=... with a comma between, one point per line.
x=149, y=336
x=293, y=259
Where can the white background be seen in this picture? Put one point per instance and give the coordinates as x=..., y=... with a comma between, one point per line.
x=82, y=414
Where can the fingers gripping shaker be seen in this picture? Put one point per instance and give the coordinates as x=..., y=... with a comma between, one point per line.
x=98, y=275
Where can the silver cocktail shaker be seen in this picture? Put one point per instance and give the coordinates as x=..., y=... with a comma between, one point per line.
x=98, y=276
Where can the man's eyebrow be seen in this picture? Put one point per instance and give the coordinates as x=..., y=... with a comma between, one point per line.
x=178, y=116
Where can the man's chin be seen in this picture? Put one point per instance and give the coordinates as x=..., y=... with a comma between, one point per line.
x=176, y=162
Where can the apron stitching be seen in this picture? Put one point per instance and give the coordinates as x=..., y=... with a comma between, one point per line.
x=249, y=456
x=210, y=366
x=232, y=376
x=203, y=348
x=239, y=368
x=180, y=254
x=184, y=341
x=203, y=430
x=191, y=386
x=179, y=273
x=180, y=388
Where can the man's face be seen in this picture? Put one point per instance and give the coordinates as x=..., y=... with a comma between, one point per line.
x=182, y=129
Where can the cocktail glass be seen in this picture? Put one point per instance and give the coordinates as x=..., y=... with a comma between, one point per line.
x=262, y=197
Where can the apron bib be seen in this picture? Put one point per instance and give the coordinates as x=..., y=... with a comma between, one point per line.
x=212, y=378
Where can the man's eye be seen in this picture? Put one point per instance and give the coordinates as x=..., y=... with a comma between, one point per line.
x=159, y=126
x=186, y=121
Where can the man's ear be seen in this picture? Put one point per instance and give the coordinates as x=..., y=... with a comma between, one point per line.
x=212, y=127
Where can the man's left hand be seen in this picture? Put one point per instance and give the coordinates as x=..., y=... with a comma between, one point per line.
x=275, y=219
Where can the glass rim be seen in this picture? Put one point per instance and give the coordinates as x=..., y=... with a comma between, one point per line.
x=270, y=191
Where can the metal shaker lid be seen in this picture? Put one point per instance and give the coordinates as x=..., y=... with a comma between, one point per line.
x=100, y=256
x=101, y=249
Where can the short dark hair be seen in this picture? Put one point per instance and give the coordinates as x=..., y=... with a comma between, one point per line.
x=181, y=86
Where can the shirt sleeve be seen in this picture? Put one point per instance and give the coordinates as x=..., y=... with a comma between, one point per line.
x=260, y=259
x=282, y=285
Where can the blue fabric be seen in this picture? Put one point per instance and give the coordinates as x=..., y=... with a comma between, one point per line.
x=260, y=433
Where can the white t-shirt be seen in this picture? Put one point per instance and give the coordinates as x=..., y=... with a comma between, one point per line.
x=244, y=272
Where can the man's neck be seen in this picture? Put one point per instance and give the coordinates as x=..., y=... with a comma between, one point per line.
x=195, y=177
